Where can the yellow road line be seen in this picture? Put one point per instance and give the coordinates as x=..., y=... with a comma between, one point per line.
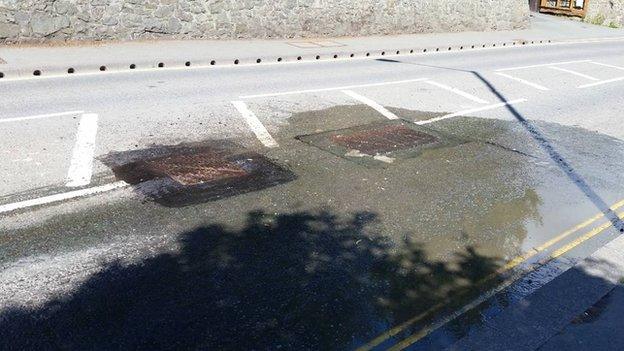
x=512, y=264
x=583, y=238
x=558, y=253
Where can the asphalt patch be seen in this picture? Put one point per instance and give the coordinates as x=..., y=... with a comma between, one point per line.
x=188, y=174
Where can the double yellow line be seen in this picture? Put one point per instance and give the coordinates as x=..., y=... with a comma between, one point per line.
x=510, y=265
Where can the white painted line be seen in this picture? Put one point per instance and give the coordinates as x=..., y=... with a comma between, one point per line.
x=457, y=91
x=578, y=74
x=541, y=65
x=601, y=82
x=347, y=87
x=607, y=65
x=81, y=166
x=465, y=112
x=384, y=111
x=525, y=82
x=47, y=115
x=254, y=123
x=61, y=197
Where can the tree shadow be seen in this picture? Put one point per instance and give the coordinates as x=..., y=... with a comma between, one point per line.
x=293, y=281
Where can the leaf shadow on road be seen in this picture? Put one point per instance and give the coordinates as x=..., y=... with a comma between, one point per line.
x=305, y=280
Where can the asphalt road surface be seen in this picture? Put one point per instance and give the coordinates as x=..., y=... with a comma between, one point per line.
x=328, y=205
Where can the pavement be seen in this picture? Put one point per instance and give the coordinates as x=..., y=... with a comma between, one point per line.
x=391, y=202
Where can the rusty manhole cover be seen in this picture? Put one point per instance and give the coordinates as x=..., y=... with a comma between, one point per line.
x=383, y=139
x=194, y=169
x=379, y=143
x=183, y=175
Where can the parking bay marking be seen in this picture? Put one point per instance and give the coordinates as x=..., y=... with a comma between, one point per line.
x=601, y=82
x=347, y=87
x=512, y=264
x=61, y=197
x=254, y=123
x=606, y=65
x=523, y=81
x=47, y=115
x=465, y=112
x=81, y=167
x=541, y=65
x=379, y=108
x=578, y=74
x=457, y=91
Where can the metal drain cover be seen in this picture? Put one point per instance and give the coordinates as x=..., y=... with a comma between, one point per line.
x=181, y=175
x=194, y=169
x=379, y=143
x=383, y=139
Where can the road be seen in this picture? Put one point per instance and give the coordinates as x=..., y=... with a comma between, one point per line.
x=314, y=205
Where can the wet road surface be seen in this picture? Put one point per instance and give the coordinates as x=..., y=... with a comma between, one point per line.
x=313, y=221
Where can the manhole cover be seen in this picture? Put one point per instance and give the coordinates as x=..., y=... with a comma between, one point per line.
x=182, y=175
x=195, y=168
x=383, y=139
x=379, y=143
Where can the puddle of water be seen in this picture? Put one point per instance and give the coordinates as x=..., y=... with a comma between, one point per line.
x=341, y=253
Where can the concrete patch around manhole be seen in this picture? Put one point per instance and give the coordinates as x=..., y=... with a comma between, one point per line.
x=380, y=143
x=187, y=174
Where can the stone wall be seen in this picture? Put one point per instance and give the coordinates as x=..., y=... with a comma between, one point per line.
x=606, y=12
x=46, y=20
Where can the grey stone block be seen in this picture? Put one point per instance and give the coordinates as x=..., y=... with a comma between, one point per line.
x=225, y=19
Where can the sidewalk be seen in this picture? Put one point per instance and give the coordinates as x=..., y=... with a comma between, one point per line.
x=598, y=328
x=578, y=310
x=22, y=62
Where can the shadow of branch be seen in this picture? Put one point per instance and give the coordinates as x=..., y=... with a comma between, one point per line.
x=296, y=281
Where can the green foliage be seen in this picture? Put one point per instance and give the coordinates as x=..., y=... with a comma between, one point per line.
x=598, y=19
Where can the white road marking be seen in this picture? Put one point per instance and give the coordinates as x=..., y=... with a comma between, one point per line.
x=457, y=91
x=81, y=166
x=47, y=115
x=607, y=65
x=384, y=111
x=578, y=74
x=347, y=87
x=254, y=123
x=523, y=81
x=465, y=112
x=541, y=65
x=601, y=82
x=61, y=197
